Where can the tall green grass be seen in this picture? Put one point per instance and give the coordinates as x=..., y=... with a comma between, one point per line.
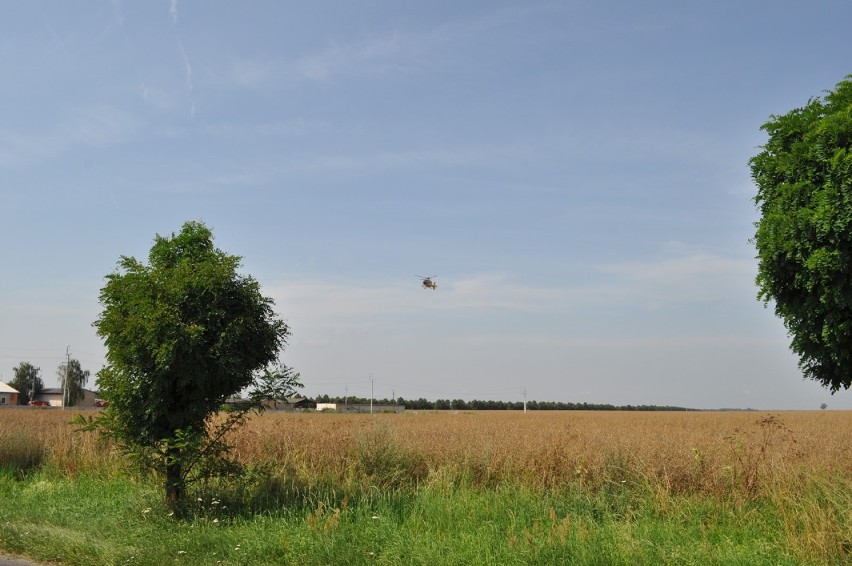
x=89, y=521
x=20, y=452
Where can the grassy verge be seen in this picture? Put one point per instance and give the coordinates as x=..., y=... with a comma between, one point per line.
x=90, y=520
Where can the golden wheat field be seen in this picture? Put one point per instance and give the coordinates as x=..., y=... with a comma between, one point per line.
x=710, y=453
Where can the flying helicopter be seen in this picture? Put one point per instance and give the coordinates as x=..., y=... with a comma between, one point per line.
x=428, y=282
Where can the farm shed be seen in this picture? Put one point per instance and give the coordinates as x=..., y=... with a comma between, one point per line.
x=53, y=396
x=301, y=403
x=290, y=404
x=359, y=408
x=8, y=395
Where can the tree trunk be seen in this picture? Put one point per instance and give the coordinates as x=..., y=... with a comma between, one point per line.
x=175, y=487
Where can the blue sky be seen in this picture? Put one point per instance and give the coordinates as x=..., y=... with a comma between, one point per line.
x=575, y=173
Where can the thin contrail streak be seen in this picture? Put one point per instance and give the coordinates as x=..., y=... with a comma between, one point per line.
x=189, y=85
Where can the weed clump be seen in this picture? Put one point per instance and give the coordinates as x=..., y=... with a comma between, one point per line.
x=20, y=453
x=382, y=462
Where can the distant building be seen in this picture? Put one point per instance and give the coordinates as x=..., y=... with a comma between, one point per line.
x=289, y=404
x=301, y=403
x=53, y=397
x=359, y=408
x=8, y=395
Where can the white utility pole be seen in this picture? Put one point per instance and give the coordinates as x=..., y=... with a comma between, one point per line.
x=525, y=399
x=65, y=384
x=371, y=393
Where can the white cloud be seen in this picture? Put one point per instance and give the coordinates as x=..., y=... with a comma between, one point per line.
x=358, y=58
x=255, y=73
x=98, y=126
x=159, y=98
x=384, y=160
x=365, y=57
x=447, y=44
x=271, y=129
x=119, y=12
x=391, y=52
x=678, y=277
x=683, y=274
x=253, y=171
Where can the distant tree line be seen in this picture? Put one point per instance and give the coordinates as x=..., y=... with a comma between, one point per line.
x=479, y=405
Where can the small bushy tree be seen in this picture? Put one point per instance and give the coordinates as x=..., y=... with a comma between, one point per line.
x=27, y=381
x=183, y=333
x=274, y=385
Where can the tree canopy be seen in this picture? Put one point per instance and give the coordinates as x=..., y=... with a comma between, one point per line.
x=27, y=381
x=183, y=333
x=804, y=236
x=76, y=378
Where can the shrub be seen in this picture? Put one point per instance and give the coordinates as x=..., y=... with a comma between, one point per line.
x=383, y=463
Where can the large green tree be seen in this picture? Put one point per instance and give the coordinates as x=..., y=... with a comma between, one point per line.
x=72, y=379
x=804, y=236
x=27, y=381
x=183, y=333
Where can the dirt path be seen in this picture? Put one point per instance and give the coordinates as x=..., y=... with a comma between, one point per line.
x=10, y=561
